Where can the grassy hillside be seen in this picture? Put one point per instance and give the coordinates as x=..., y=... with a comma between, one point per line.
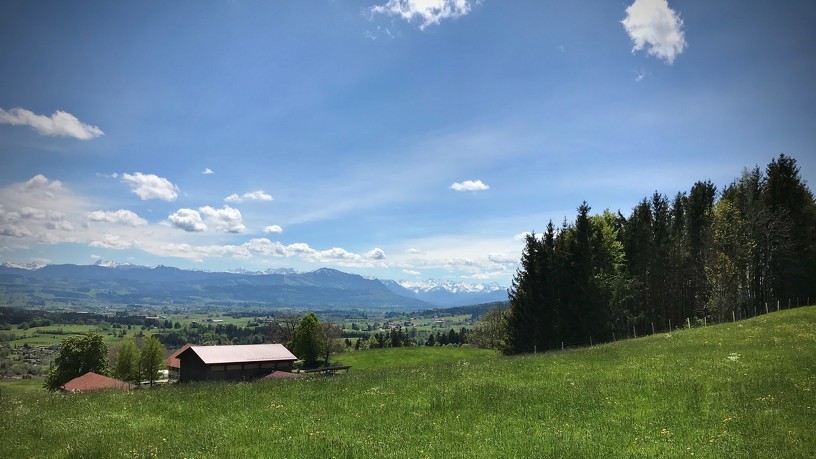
x=734, y=390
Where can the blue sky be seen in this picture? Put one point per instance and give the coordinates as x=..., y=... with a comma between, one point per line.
x=403, y=139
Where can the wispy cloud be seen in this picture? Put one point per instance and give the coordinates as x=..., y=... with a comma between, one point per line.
x=427, y=12
x=207, y=171
x=469, y=185
x=118, y=217
x=653, y=26
x=150, y=186
x=258, y=195
x=59, y=123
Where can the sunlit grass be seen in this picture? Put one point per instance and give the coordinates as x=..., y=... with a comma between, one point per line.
x=734, y=390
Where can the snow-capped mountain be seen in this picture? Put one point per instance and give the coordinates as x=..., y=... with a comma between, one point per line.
x=34, y=265
x=448, y=293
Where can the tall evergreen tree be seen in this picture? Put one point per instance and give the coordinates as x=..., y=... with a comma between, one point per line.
x=793, y=266
x=527, y=296
x=698, y=226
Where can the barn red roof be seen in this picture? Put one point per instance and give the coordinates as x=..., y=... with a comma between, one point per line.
x=173, y=361
x=92, y=381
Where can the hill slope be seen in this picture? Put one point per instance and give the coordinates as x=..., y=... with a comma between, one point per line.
x=745, y=389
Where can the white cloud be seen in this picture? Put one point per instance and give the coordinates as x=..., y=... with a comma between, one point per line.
x=428, y=12
x=59, y=225
x=411, y=272
x=502, y=259
x=652, y=25
x=41, y=210
x=117, y=217
x=150, y=186
x=376, y=254
x=522, y=236
x=258, y=195
x=33, y=213
x=414, y=251
x=58, y=124
x=226, y=219
x=187, y=219
x=39, y=184
x=113, y=241
x=469, y=185
x=273, y=229
x=207, y=171
x=13, y=230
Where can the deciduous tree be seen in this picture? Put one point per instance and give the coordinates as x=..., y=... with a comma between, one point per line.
x=306, y=339
x=78, y=355
x=127, y=362
x=151, y=358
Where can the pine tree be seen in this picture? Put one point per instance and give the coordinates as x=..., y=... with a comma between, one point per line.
x=527, y=296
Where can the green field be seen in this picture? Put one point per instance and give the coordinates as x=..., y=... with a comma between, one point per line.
x=408, y=357
x=742, y=389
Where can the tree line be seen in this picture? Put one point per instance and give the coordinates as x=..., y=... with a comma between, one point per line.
x=705, y=254
x=89, y=353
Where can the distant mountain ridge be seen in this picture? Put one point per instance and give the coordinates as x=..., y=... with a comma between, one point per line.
x=108, y=282
x=448, y=293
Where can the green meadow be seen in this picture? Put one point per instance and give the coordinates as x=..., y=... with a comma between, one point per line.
x=742, y=389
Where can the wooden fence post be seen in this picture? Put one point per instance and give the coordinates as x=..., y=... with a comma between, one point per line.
x=653, y=328
x=733, y=317
x=688, y=322
x=766, y=307
x=634, y=332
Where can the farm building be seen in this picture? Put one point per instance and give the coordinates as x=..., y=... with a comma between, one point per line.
x=174, y=364
x=233, y=363
x=93, y=381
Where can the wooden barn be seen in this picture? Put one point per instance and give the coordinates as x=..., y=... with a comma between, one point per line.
x=233, y=363
x=174, y=364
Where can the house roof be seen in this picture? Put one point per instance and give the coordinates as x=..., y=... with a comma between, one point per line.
x=93, y=381
x=172, y=361
x=241, y=353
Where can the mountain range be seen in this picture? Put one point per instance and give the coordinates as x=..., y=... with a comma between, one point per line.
x=111, y=283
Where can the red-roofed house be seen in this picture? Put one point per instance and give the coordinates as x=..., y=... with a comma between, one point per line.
x=174, y=364
x=93, y=381
x=234, y=363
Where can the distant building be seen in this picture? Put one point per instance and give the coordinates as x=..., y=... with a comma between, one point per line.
x=233, y=363
x=93, y=381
